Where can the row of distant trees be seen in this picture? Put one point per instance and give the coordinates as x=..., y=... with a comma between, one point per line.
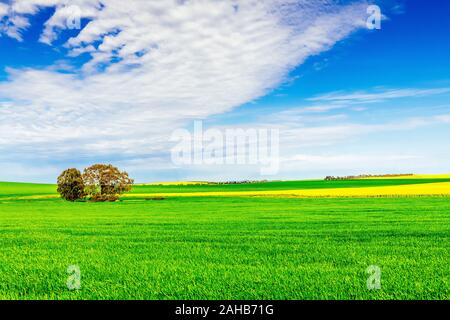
x=361, y=176
x=99, y=182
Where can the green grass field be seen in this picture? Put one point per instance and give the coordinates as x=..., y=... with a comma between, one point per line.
x=225, y=247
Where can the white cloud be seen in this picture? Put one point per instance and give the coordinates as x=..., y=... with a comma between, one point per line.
x=378, y=95
x=3, y=10
x=347, y=159
x=298, y=136
x=308, y=149
x=355, y=101
x=153, y=66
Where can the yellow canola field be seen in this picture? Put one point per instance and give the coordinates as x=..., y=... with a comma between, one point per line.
x=414, y=176
x=426, y=189
x=175, y=183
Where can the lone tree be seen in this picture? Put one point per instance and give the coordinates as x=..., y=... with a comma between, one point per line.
x=71, y=185
x=104, y=182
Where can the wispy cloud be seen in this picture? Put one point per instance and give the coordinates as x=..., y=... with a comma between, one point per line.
x=378, y=95
x=356, y=101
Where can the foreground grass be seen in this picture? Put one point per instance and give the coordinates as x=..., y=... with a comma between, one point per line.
x=226, y=248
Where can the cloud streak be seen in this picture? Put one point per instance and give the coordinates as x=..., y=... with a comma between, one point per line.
x=378, y=95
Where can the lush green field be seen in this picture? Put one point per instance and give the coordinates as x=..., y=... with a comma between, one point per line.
x=224, y=247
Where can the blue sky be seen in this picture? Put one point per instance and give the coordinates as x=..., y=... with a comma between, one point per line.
x=345, y=99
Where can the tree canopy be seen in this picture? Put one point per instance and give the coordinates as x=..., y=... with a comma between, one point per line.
x=70, y=185
x=104, y=182
x=100, y=182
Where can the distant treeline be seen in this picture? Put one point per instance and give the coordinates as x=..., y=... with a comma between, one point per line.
x=362, y=176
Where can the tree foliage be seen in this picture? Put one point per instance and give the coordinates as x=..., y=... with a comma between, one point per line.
x=104, y=182
x=71, y=185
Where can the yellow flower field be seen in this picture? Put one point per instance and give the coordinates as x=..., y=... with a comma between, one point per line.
x=176, y=183
x=426, y=189
x=401, y=190
x=414, y=176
